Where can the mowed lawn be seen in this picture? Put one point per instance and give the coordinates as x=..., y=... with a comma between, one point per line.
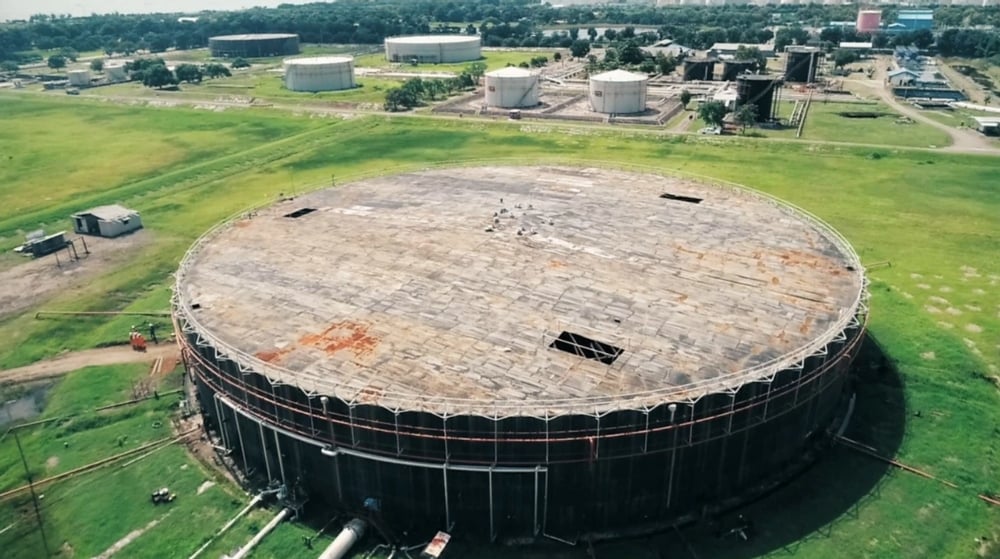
x=824, y=123
x=925, y=222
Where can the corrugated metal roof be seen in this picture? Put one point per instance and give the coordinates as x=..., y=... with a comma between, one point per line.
x=619, y=76
x=109, y=213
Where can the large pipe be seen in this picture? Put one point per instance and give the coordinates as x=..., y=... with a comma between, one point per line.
x=352, y=532
x=245, y=550
x=239, y=515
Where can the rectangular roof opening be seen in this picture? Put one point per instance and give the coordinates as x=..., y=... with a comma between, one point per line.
x=583, y=346
x=679, y=198
x=300, y=212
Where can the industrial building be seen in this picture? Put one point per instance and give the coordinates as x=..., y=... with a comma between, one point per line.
x=254, y=45
x=802, y=64
x=433, y=49
x=512, y=88
x=988, y=125
x=699, y=69
x=730, y=49
x=902, y=76
x=761, y=91
x=869, y=21
x=107, y=221
x=618, y=92
x=78, y=78
x=321, y=73
x=914, y=20
x=521, y=351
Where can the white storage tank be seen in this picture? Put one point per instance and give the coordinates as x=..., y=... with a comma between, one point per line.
x=512, y=88
x=115, y=71
x=78, y=77
x=321, y=73
x=618, y=92
x=433, y=49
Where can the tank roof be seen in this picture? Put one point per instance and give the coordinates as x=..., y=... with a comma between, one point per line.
x=532, y=290
x=511, y=72
x=620, y=76
x=253, y=36
x=318, y=60
x=430, y=39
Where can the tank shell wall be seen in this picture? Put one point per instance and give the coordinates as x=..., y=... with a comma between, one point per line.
x=428, y=51
x=801, y=66
x=869, y=21
x=115, y=72
x=331, y=74
x=250, y=46
x=519, y=476
x=618, y=97
x=759, y=92
x=78, y=77
x=512, y=92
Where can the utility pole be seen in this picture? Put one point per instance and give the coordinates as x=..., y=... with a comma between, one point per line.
x=31, y=483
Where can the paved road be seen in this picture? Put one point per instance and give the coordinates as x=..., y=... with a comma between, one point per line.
x=58, y=366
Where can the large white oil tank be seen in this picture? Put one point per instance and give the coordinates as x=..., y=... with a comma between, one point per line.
x=433, y=49
x=115, y=71
x=78, y=77
x=321, y=73
x=512, y=88
x=618, y=92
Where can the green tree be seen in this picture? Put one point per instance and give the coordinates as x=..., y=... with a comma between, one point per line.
x=843, y=57
x=215, y=70
x=97, y=65
x=476, y=70
x=753, y=54
x=399, y=98
x=57, y=61
x=69, y=53
x=557, y=57
x=665, y=64
x=8, y=66
x=240, y=63
x=712, y=112
x=746, y=116
x=579, y=48
x=630, y=53
x=592, y=33
x=685, y=98
x=159, y=76
x=188, y=73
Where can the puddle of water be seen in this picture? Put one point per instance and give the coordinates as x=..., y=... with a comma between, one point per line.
x=26, y=406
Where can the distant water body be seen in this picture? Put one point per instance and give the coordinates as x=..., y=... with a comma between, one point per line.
x=23, y=9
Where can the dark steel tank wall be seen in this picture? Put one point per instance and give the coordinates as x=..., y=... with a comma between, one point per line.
x=802, y=66
x=699, y=70
x=254, y=48
x=757, y=92
x=596, y=474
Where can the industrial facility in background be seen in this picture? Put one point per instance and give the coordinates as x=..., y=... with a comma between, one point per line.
x=254, y=45
x=521, y=352
x=323, y=73
x=802, y=63
x=512, y=88
x=433, y=49
x=618, y=92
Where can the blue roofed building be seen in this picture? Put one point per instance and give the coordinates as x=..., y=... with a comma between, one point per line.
x=913, y=20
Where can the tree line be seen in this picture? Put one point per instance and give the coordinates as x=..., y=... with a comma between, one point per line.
x=510, y=23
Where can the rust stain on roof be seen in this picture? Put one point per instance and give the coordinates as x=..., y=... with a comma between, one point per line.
x=272, y=356
x=344, y=335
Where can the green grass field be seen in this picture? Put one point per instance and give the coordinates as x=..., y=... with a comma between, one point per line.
x=928, y=219
x=824, y=123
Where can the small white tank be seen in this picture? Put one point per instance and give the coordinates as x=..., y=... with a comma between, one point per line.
x=115, y=71
x=78, y=77
x=322, y=73
x=512, y=88
x=618, y=92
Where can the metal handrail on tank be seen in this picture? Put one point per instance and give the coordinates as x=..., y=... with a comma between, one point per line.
x=594, y=405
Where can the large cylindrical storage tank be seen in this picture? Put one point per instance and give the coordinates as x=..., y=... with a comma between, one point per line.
x=802, y=64
x=433, y=49
x=699, y=69
x=321, y=73
x=512, y=88
x=618, y=92
x=79, y=77
x=115, y=71
x=508, y=386
x=869, y=21
x=759, y=91
x=254, y=45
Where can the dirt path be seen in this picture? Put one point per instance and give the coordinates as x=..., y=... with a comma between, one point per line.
x=67, y=362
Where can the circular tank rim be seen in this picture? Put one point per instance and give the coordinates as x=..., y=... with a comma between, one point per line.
x=318, y=60
x=850, y=316
x=433, y=39
x=254, y=37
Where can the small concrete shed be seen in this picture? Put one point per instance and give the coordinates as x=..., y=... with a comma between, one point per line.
x=107, y=221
